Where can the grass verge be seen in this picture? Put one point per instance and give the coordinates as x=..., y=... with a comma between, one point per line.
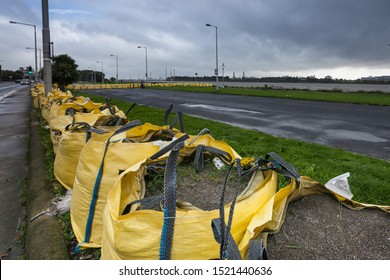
x=59, y=191
x=369, y=178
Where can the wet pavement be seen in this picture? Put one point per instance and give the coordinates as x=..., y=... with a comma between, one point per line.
x=360, y=129
x=15, y=108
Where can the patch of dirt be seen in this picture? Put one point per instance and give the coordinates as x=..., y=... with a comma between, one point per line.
x=318, y=227
x=202, y=189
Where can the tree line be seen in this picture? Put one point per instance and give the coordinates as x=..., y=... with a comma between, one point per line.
x=64, y=72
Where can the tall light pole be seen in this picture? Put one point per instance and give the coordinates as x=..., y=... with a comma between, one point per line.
x=146, y=57
x=223, y=74
x=102, y=69
x=47, y=70
x=35, y=41
x=40, y=58
x=216, y=52
x=0, y=68
x=93, y=73
x=117, y=81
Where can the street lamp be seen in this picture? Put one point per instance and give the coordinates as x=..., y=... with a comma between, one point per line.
x=146, y=56
x=0, y=68
x=40, y=58
x=223, y=74
x=35, y=40
x=116, y=67
x=102, y=69
x=93, y=68
x=216, y=52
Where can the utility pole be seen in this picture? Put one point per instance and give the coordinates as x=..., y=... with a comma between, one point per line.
x=216, y=53
x=46, y=47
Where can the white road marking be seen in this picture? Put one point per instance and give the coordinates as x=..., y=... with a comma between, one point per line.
x=7, y=95
x=5, y=87
x=220, y=108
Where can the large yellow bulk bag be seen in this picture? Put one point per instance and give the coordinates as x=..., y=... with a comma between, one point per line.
x=59, y=123
x=140, y=233
x=51, y=103
x=93, y=117
x=37, y=93
x=70, y=145
x=100, y=163
x=75, y=137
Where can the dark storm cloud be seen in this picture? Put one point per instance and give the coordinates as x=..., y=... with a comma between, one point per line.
x=256, y=36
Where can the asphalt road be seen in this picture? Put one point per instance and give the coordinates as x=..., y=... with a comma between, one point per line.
x=361, y=129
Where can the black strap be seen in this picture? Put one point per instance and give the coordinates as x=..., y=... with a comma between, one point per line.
x=126, y=127
x=169, y=203
x=225, y=156
x=112, y=112
x=232, y=249
x=131, y=108
x=147, y=203
x=224, y=230
x=97, y=130
x=119, y=122
x=70, y=111
x=111, y=120
x=199, y=158
x=77, y=125
x=283, y=167
x=203, y=131
x=167, y=113
x=178, y=118
x=169, y=147
x=257, y=250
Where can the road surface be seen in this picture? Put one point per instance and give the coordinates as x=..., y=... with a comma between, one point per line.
x=361, y=129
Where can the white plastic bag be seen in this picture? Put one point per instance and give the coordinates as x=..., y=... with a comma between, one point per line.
x=340, y=185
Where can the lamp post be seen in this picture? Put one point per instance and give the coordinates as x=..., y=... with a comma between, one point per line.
x=35, y=41
x=116, y=67
x=102, y=69
x=146, y=58
x=0, y=68
x=40, y=58
x=216, y=53
x=223, y=74
x=93, y=68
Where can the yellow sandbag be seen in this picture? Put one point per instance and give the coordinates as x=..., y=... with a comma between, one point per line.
x=99, y=165
x=88, y=112
x=70, y=145
x=139, y=234
x=74, y=138
x=51, y=103
x=37, y=93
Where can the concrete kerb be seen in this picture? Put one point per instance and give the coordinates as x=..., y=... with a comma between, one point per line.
x=44, y=240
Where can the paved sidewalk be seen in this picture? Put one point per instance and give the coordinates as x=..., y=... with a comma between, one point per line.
x=22, y=164
x=14, y=134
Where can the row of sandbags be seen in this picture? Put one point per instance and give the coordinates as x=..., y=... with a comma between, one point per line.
x=107, y=169
x=82, y=86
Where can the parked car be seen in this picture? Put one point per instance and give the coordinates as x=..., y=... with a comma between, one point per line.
x=25, y=82
x=17, y=81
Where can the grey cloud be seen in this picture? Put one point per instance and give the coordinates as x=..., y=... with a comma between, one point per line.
x=258, y=36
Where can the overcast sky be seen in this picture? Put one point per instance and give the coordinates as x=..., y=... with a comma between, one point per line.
x=341, y=38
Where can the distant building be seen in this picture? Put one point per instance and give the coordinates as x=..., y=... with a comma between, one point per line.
x=377, y=79
x=328, y=77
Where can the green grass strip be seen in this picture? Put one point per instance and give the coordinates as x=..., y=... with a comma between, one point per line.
x=369, y=180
